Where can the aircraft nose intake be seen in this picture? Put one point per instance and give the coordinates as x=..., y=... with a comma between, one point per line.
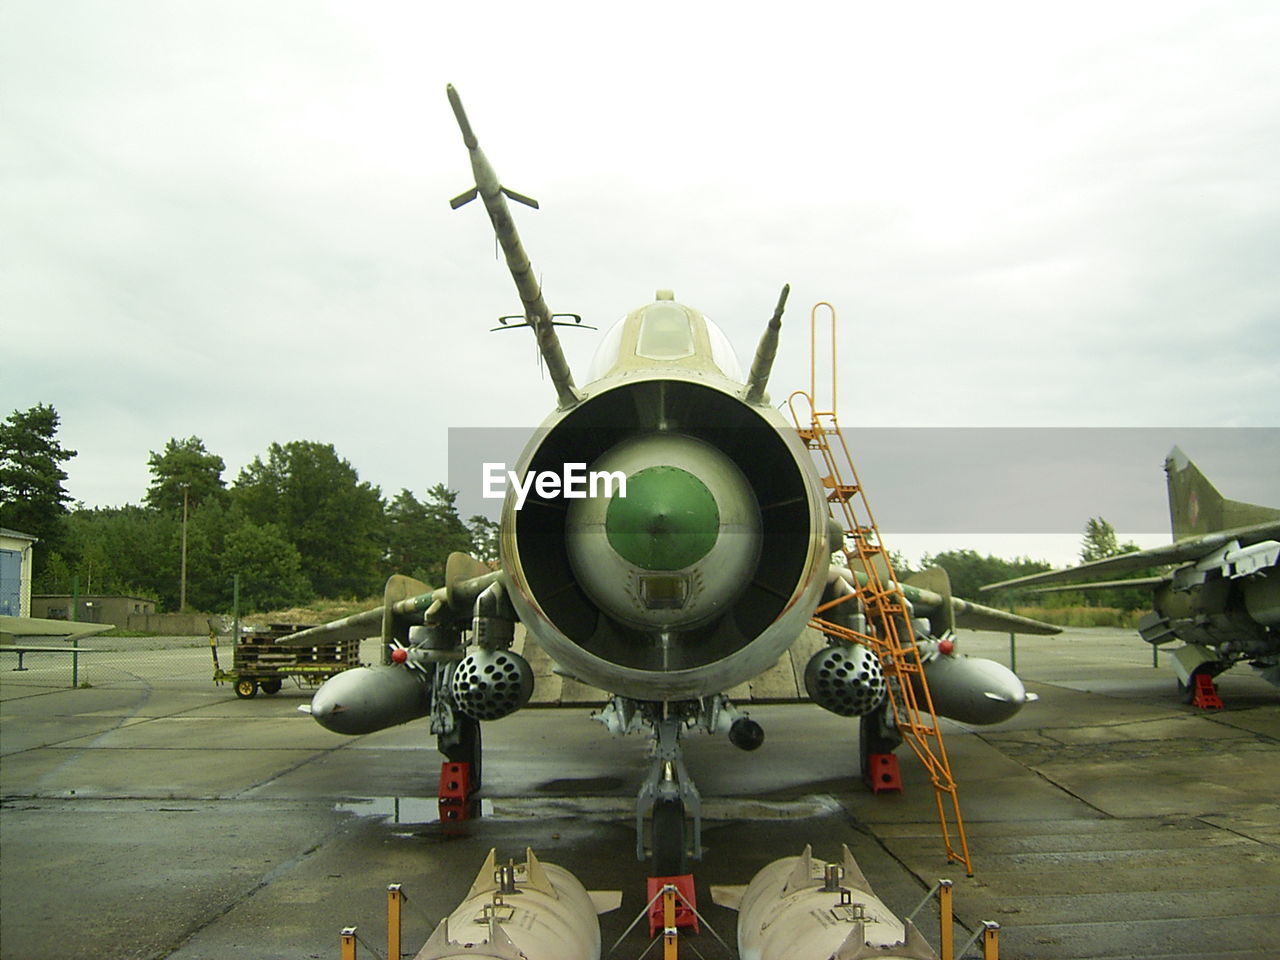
x=667, y=521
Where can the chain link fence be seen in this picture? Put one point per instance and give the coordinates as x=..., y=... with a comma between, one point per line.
x=158, y=661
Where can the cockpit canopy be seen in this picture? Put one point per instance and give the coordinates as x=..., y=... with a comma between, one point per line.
x=664, y=334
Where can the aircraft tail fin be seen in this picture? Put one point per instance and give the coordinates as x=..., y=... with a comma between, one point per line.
x=1196, y=507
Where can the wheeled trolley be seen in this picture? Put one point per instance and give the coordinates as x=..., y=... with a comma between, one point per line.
x=262, y=660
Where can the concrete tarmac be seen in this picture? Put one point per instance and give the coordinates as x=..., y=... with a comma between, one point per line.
x=150, y=818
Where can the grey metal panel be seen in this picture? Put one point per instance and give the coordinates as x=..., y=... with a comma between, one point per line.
x=10, y=583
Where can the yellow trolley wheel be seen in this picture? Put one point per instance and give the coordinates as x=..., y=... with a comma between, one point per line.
x=246, y=689
x=270, y=686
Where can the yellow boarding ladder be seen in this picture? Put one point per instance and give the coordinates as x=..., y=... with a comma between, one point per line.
x=881, y=596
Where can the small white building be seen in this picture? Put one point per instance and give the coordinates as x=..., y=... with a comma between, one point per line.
x=15, y=573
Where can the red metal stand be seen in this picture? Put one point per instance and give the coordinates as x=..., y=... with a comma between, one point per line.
x=455, y=791
x=1206, y=695
x=882, y=773
x=686, y=903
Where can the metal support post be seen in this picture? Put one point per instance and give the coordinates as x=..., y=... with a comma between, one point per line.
x=990, y=940
x=670, y=937
x=75, y=615
x=946, y=922
x=395, y=897
x=1013, y=652
x=182, y=577
x=348, y=943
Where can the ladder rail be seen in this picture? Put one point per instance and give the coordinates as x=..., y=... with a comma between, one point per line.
x=909, y=698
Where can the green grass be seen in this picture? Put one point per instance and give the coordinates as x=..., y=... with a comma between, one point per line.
x=1080, y=616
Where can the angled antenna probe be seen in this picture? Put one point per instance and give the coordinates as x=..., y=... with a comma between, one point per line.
x=495, y=197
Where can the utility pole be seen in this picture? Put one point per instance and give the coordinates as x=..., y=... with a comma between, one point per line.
x=182, y=587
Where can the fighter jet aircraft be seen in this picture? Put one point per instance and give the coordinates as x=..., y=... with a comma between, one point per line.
x=1221, y=594
x=665, y=537
x=18, y=633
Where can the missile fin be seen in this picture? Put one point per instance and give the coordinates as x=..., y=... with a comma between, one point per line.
x=853, y=875
x=802, y=873
x=518, y=198
x=438, y=942
x=486, y=879
x=913, y=946
x=499, y=940
x=459, y=568
x=605, y=901
x=537, y=877
x=942, y=618
x=916, y=946
x=729, y=897
x=855, y=946
x=464, y=198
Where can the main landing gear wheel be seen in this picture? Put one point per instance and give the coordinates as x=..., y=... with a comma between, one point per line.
x=669, y=848
x=246, y=689
x=270, y=686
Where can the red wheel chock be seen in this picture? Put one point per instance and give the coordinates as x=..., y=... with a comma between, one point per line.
x=685, y=903
x=455, y=791
x=1206, y=695
x=882, y=774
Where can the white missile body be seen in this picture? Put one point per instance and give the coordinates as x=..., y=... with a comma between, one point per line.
x=802, y=908
x=970, y=689
x=365, y=699
x=525, y=911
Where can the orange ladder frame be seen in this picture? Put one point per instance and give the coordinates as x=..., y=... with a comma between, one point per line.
x=881, y=597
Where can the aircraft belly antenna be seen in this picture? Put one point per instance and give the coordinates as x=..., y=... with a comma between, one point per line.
x=495, y=196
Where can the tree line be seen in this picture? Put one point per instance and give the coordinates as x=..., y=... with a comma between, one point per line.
x=969, y=571
x=296, y=524
x=299, y=523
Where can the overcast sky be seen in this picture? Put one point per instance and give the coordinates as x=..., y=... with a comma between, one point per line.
x=231, y=219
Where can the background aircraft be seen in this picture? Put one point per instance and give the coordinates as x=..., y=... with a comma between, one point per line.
x=695, y=580
x=1220, y=597
x=21, y=629
x=22, y=635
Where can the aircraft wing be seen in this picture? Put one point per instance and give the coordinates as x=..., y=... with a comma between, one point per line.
x=1103, y=585
x=930, y=595
x=16, y=629
x=405, y=603
x=1183, y=551
x=367, y=623
x=974, y=616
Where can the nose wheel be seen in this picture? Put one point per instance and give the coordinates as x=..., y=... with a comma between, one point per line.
x=670, y=849
x=670, y=799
